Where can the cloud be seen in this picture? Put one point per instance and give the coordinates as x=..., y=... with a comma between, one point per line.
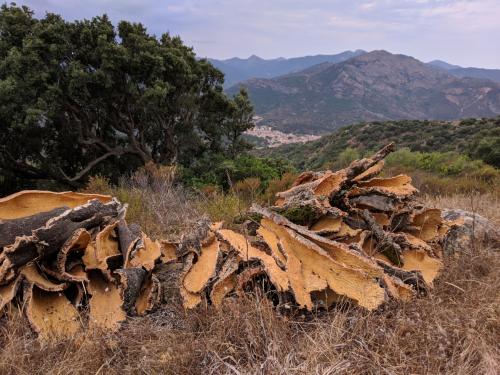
x=455, y=30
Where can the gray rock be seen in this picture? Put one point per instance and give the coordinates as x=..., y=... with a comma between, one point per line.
x=475, y=230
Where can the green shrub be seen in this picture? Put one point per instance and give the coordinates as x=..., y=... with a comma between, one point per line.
x=224, y=172
x=224, y=207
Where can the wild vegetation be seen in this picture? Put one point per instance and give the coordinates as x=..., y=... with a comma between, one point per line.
x=87, y=97
x=453, y=330
x=476, y=138
x=114, y=110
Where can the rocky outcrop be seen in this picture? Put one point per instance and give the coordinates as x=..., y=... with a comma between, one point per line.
x=471, y=230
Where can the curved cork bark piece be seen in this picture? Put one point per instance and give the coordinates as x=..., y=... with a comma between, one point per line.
x=397, y=289
x=247, y=252
x=327, y=225
x=9, y=291
x=426, y=225
x=248, y=276
x=227, y=280
x=419, y=260
x=189, y=300
x=357, y=167
x=412, y=278
x=343, y=280
x=273, y=242
x=33, y=275
x=168, y=251
x=398, y=186
x=204, y=269
x=31, y=202
x=69, y=263
x=345, y=231
x=106, y=311
x=370, y=172
x=93, y=214
x=128, y=236
x=313, y=195
x=338, y=252
x=150, y=295
x=131, y=280
x=50, y=314
x=145, y=254
x=104, y=251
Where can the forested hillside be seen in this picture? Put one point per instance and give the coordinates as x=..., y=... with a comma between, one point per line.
x=478, y=138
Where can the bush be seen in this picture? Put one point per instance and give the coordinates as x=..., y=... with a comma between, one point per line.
x=441, y=163
x=218, y=170
x=275, y=186
x=156, y=201
x=224, y=207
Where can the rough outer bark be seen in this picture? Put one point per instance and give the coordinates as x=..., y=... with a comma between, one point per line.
x=10, y=229
x=226, y=281
x=76, y=244
x=90, y=215
x=193, y=240
x=359, y=166
x=128, y=236
x=22, y=251
x=376, y=202
x=413, y=278
x=47, y=240
x=385, y=243
x=247, y=276
x=312, y=193
x=131, y=280
x=150, y=295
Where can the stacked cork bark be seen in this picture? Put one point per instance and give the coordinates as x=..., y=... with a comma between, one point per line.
x=333, y=236
x=71, y=261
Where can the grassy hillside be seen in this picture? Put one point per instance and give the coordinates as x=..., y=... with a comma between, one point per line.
x=477, y=138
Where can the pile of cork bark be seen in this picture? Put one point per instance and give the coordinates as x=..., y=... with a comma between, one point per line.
x=71, y=261
x=344, y=236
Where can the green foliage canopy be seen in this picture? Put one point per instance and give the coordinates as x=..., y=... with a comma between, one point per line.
x=87, y=97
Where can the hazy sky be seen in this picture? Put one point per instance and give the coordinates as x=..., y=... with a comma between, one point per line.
x=463, y=32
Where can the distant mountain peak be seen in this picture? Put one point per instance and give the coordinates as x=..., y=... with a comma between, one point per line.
x=443, y=65
x=255, y=57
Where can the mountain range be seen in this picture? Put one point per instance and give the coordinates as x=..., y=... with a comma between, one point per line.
x=237, y=70
x=369, y=86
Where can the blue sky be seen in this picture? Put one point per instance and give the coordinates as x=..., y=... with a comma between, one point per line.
x=464, y=32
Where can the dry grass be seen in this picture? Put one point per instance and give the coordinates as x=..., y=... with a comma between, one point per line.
x=487, y=205
x=454, y=330
x=162, y=207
